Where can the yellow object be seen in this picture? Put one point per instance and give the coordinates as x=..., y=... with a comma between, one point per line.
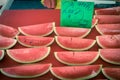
x=58, y=4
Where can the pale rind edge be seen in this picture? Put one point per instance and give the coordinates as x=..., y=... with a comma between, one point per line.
x=11, y=45
x=95, y=23
x=33, y=46
x=103, y=58
x=104, y=73
x=83, y=78
x=19, y=61
x=98, y=30
x=74, y=49
x=84, y=35
x=98, y=42
x=3, y=54
x=34, y=76
x=20, y=30
x=92, y=61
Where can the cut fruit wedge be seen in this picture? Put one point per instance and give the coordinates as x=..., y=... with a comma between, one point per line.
x=74, y=43
x=76, y=58
x=111, y=73
x=110, y=55
x=44, y=29
x=71, y=31
x=34, y=41
x=6, y=43
x=109, y=41
x=26, y=71
x=28, y=55
x=76, y=72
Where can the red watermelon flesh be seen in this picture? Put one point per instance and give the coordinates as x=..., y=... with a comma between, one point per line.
x=8, y=31
x=34, y=41
x=108, y=29
x=108, y=41
x=110, y=55
x=76, y=72
x=77, y=58
x=28, y=55
x=71, y=31
x=6, y=43
x=108, y=11
x=108, y=19
x=94, y=22
x=38, y=29
x=1, y=54
x=26, y=71
x=112, y=73
x=74, y=43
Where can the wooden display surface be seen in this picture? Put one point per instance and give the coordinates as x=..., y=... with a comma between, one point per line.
x=16, y=18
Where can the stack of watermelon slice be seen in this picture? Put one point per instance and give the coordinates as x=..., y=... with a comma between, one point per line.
x=65, y=53
x=109, y=27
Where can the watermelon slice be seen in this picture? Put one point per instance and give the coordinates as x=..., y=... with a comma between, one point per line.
x=74, y=43
x=2, y=54
x=26, y=71
x=6, y=43
x=77, y=58
x=108, y=11
x=108, y=29
x=112, y=73
x=108, y=19
x=71, y=31
x=108, y=41
x=34, y=41
x=76, y=72
x=44, y=29
x=110, y=55
x=28, y=55
x=8, y=31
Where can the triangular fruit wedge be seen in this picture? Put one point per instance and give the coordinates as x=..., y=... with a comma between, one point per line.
x=111, y=73
x=108, y=19
x=34, y=41
x=28, y=55
x=108, y=29
x=110, y=55
x=2, y=54
x=6, y=43
x=74, y=43
x=76, y=58
x=43, y=29
x=76, y=72
x=108, y=11
x=8, y=31
x=71, y=31
x=26, y=71
x=109, y=41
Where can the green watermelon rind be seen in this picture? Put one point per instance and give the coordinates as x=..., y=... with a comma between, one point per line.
x=72, y=64
x=10, y=46
x=83, y=78
x=34, y=76
x=72, y=48
x=22, y=32
x=98, y=42
x=82, y=36
x=97, y=28
x=34, y=46
x=2, y=56
x=37, y=60
x=107, y=76
x=109, y=61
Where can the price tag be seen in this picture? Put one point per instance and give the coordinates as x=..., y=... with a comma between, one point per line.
x=76, y=14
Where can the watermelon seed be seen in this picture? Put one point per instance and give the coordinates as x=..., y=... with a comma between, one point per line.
x=73, y=53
